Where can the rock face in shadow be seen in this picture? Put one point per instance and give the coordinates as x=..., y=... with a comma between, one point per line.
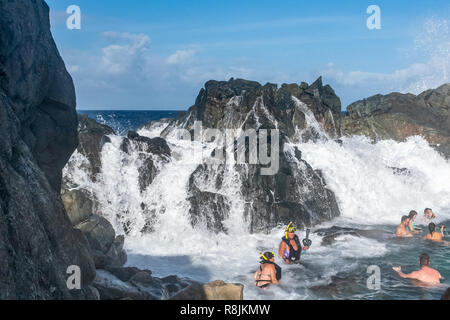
x=38, y=128
x=135, y=284
x=398, y=116
x=295, y=192
x=92, y=136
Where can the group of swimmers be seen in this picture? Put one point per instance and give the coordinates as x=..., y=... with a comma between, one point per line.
x=407, y=228
x=290, y=250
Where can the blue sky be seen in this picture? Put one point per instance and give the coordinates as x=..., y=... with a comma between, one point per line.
x=158, y=54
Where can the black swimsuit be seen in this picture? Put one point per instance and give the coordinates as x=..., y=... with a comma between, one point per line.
x=294, y=255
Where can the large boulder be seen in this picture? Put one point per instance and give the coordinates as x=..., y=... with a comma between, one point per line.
x=136, y=284
x=398, y=116
x=93, y=136
x=106, y=249
x=78, y=205
x=216, y=290
x=295, y=192
x=38, y=127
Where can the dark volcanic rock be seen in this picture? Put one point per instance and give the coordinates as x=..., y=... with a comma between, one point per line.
x=78, y=205
x=149, y=149
x=296, y=192
x=106, y=248
x=38, y=128
x=230, y=104
x=156, y=146
x=398, y=116
x=136, y=284
x=93, y=136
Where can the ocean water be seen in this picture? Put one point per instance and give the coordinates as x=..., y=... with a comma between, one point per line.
x=123, y=121
x=371, y=196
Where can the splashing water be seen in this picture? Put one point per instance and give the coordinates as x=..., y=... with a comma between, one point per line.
x=375, y=184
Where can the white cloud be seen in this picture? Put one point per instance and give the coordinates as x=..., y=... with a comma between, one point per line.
x=125, y=51
x=433, y=41
x=181, y=57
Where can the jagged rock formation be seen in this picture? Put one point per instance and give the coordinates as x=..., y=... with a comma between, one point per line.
x=80, y=201
x=92, y=137
x=398, y=116
x=296, y=192
x=135, y=284
x=38, y=128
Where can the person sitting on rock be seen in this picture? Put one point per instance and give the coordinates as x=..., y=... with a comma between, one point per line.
x=268, y=272
x=402, y=231
x=425, y=275
x=434, y=235
x=290, y=248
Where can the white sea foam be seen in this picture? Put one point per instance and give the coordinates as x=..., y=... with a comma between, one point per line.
x=368, y=185
x=369, y=190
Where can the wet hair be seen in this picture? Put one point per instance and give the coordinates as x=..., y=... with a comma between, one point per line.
x=424, y=260
x=412, y=214
x=404, y=218
x=446, y=295
x=268, y=255
x=432, y=227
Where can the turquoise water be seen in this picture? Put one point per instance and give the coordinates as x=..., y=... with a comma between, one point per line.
x=400, y=252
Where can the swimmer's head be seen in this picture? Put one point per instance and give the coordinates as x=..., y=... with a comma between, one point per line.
x=424, y=260
x=428, y=212
x=405, y=219
x=412, y=215
x=431, y=227
x=267, y=256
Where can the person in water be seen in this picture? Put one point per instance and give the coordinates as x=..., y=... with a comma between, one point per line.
x=426, y=274
x=290, y=248
x=412, y=225
x=428, y=215
x=402, y=230
x=434, y=235
x=268, y=272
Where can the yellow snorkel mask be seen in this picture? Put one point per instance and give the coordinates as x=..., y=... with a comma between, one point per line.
x=290, y=229
x=264, y=257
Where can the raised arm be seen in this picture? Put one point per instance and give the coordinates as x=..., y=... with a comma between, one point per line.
x=281, y=249
x=412, y=275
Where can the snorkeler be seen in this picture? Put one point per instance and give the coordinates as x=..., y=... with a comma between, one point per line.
x=412, y=225
x=268, y=272
x=425, y=274
x=290, y=248
x=402, y=231
x=434, y=235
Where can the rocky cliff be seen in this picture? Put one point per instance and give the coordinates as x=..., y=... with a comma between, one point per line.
x=296, y=192
x=38, y=134
x=398, y=116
